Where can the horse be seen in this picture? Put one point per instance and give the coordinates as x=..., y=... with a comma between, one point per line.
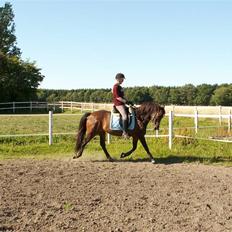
x=98, y=123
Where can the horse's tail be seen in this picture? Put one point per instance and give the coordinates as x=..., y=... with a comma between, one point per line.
x=81, y=132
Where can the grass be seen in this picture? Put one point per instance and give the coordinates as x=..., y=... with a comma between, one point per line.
x=67, y=206
x=184, y=149
x=38, y=124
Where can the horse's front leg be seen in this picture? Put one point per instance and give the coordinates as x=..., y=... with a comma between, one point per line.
x=144, y=143
x=135, y=142
x=103, y=145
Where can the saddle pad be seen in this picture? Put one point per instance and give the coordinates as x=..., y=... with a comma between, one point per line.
x=115, y=121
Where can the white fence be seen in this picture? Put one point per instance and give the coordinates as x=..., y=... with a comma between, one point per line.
x=171, y=134
x=87, y=106
x=62, y=105
x=196, y=117
x=13, y=106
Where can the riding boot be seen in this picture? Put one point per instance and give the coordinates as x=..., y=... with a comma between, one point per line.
x=124, y=128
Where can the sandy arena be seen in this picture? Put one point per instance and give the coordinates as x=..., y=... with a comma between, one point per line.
x=74, y=195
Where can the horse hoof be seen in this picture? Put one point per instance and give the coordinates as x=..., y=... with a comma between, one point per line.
x=153, y=161
x=122, y=155
x=74, y=157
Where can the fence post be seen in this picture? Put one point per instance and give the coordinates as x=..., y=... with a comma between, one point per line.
x=30, y=106
x=170, y=134
x=156, y=133
x=92, y=107
x=220, y=115
x=62, y=106
x=196, y=121
x=13, y=107
x=50, y=126
x=229, y=121
x=108, y=138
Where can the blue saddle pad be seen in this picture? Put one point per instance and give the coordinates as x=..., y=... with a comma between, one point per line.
x=115, y=121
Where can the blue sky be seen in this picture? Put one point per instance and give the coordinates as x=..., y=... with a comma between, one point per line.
x=83, y=44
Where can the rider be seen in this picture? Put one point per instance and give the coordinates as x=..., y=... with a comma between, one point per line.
x=119, y=102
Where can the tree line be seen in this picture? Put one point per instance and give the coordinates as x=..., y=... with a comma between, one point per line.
x=204, y=94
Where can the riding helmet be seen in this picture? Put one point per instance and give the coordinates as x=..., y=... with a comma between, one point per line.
x=119, y=75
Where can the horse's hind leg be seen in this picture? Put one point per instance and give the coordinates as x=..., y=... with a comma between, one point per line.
x=103, y=145
x=86, y=140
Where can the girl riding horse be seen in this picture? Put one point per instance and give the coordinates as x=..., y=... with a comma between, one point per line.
x=98, y=123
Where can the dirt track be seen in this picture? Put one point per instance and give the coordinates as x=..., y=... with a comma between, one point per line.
x=68, y=195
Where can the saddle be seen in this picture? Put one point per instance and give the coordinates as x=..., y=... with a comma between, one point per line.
x=116, y=119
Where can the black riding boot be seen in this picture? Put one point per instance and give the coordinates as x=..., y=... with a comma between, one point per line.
x=125, y=128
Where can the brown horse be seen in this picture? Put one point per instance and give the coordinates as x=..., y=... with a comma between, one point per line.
x=98, y=123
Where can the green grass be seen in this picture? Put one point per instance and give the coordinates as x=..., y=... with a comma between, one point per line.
x=184, y=150
x=37, y=124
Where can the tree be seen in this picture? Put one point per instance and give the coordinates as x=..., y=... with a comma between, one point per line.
x=204, y=93
x=222, y=96
x=138, y=94
x=160, y=94
x=7, y=30
x=52, y=98
x=18, y=79
x=175, y=96
x=188, y=93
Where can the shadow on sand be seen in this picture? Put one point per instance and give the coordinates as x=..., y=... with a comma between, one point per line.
x=171, y=159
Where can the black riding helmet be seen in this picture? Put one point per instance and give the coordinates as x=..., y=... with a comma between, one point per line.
x=119, y=75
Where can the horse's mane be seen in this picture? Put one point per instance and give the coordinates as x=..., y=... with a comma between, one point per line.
x=144, y=111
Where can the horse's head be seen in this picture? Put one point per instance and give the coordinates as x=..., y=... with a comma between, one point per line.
x=150, y=111
x=157, y=116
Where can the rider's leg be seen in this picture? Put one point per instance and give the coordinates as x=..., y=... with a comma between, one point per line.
x=123, y=113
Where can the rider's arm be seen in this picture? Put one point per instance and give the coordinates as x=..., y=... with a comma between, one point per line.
x=123, y=100
x=117, y=94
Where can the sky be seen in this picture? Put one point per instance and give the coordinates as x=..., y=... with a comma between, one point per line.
x=84, y=43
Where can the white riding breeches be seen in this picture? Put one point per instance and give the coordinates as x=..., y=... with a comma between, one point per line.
x=122, y=111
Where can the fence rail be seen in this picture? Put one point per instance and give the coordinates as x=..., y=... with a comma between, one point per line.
x=62, y=105
x=90, y=106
